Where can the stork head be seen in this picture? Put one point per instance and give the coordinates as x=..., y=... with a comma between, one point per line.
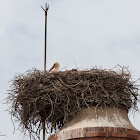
x=55, y=67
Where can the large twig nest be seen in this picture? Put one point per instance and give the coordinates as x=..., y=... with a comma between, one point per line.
x=57, y=97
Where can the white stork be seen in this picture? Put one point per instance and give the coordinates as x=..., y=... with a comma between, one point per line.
x=55, y=67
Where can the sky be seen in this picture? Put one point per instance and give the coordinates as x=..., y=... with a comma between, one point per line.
x=81, y=33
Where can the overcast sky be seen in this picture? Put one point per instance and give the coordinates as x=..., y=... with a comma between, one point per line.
x=85, y=33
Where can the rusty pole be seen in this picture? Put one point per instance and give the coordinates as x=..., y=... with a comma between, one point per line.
x=45, y=10
x=43, y=123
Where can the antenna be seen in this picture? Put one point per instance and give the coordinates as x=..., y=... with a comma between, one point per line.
x=46, y=11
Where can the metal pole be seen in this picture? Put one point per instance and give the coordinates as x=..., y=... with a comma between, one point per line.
x=43, y=123
x=46, y=10
x=45, y=41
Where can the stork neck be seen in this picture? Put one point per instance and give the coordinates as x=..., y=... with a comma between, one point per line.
x=56, y=69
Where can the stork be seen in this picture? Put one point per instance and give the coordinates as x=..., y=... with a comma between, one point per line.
x=55, y=67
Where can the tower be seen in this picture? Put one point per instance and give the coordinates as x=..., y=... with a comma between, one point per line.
x=98, y=123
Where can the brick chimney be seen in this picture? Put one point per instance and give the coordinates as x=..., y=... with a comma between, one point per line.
x=99, y=123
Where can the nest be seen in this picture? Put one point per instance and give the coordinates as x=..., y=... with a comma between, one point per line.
x=58, y=96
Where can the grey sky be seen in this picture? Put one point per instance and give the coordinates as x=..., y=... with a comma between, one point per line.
x=86, y=32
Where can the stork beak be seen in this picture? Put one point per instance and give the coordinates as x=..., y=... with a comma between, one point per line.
x=51, y=68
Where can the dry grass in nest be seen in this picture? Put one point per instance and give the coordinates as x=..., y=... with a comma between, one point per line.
x=57, y=97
